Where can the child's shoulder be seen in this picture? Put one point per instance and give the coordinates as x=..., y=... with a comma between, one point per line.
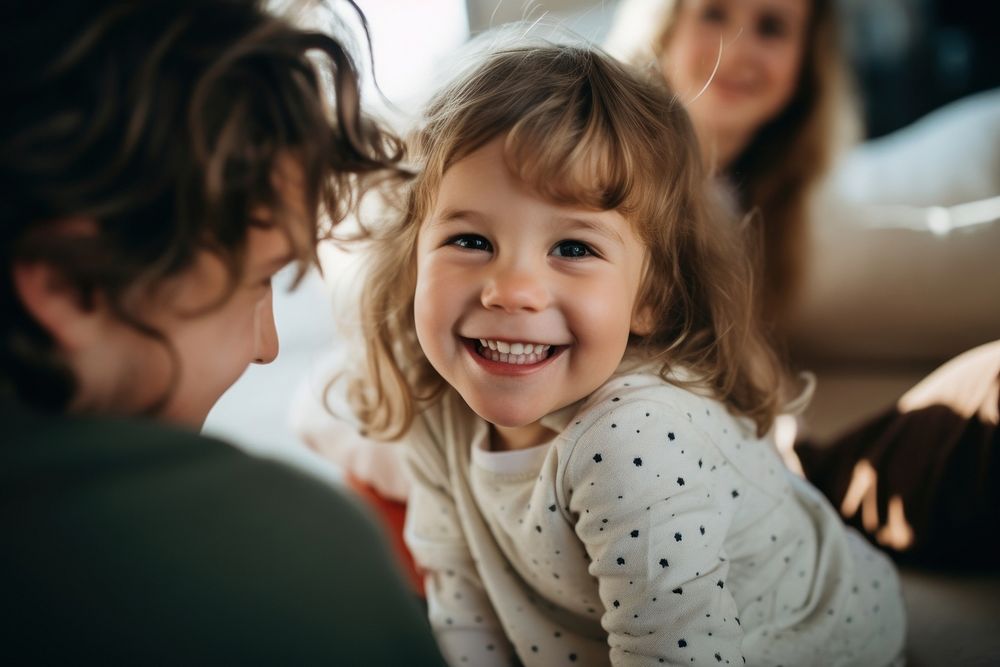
x=644, y=396
x=624, y=391
x=648, y=421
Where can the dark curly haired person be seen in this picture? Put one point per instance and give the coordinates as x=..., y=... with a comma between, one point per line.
x=160, y=161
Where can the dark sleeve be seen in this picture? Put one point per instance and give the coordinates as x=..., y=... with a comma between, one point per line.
x=179, y=549
x=934, y=453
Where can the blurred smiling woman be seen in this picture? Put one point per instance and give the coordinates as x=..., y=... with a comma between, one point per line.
x=765, y=86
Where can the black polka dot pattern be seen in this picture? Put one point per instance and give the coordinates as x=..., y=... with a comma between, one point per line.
x=642, y=497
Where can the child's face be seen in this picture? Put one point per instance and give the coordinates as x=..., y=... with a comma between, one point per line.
x=762, y=47
x=551, y=289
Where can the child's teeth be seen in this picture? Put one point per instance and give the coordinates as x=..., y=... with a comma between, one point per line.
x=514, y=353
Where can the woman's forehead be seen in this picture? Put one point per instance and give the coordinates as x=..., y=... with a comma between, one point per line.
x=797, y=9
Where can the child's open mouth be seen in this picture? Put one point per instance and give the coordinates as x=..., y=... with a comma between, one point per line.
x=517, y=354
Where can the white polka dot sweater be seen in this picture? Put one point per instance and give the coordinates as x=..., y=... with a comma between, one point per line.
x=654, y=529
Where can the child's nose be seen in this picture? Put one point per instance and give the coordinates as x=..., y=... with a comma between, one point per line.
x=265, y=332
x=516, y=288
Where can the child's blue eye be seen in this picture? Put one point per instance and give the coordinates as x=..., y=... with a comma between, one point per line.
x=471, y=242
x=572, y=249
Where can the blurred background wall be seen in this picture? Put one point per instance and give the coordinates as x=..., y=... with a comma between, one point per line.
x=912, y=56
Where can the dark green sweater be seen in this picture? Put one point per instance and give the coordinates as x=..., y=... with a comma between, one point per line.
x=128, y=542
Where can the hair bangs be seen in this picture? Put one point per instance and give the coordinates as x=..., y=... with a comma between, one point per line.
x=571, y=160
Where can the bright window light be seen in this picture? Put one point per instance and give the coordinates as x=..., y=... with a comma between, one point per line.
x=409, y=41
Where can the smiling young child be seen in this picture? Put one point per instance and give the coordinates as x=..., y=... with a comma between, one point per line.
x=562, y=327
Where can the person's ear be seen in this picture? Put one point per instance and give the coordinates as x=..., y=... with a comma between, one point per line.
x=642, y=321
x=56, y=305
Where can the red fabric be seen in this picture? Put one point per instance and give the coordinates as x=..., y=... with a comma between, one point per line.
x=393, y=515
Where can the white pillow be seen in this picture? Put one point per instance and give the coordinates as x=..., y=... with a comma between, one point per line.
x=951, y=156
x=904, y=259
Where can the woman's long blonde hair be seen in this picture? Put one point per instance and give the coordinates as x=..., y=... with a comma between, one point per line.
x=777, y=171
x=580, y=129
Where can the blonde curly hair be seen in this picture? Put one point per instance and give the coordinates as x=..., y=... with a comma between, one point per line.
x=581, y=129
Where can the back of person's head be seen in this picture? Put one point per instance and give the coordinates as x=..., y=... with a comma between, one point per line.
x=160, y=125
x=788, y=155
x=582, y=130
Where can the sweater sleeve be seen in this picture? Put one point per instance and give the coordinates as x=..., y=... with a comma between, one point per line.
x=467, y=629
x=641, y=482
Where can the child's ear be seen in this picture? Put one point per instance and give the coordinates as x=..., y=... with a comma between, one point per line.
x=56, y=305
x=642, y=321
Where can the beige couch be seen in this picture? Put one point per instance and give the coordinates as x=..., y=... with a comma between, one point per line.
x=905, y=274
